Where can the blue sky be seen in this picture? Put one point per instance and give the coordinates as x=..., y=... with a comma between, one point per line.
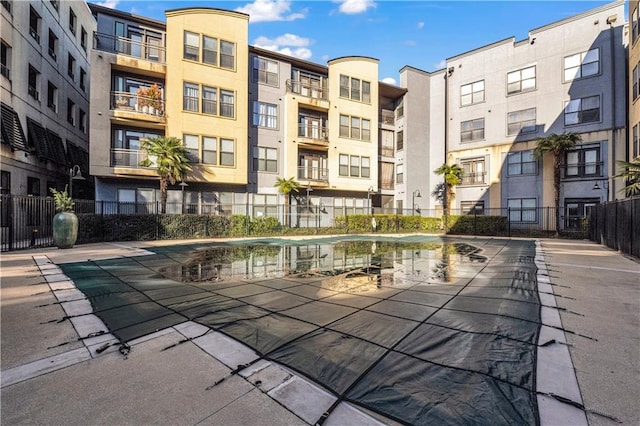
x=419, y=33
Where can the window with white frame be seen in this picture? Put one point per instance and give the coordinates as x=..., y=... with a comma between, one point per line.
x=521, y=80
x=209, y=100
x=522, y=210
x=265, y=115
x=473, y=171
x=265, y=205
x=192, y=146
x=355, y=89
x=354, y=166
x=399, y=173
x=343, y=165
x=191, y=46
x=265, y=159
x=355, y=128
x=227, y=54
x=582, y=65
x=583, y=162
x=472, y=207
x=227, y=103
x=583, y=110
x=227, y=152
x=472, y=93
x=209, y=50
x=523, y=121
x=265, y=71
x=472, y=130
x=191, y=97
x=209, y=150
x=521, y=163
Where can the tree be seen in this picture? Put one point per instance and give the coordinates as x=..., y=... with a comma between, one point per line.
x=557, y=146
x=286, y=186
x=452, y=177
x=630, y=172
x=170, y=160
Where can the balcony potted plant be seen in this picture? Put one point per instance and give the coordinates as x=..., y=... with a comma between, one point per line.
x=143, y=100
x=65, y=222
x=151, y=97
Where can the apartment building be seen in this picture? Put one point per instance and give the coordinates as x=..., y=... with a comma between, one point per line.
x=45, y=97
x=633, y=148
x=501, y=98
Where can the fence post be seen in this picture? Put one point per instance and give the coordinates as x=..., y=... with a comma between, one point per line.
x=508, y=221
x=475, y=221
x=11, y=200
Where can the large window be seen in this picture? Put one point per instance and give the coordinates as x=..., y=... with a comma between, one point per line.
x=521, y=80
x=521, y=163
x=34, y=24
x=209, y=50
x=265, y=159
x=354, y=166
x=522, y=210
x=583, y=110
x=474, y=171
x=52, y=96
x=355, y=128
x=191, y=46
x=209, y=100
x=227, y=101
x=191, y=97
x=583, y=162
x=34, y=77
x=216, y=151
x=73, y=21
x=192, y=146
x=355, y=89
x=472, y=130
x=576, y=212
x=227, y=54
x=265, y=115
x=582, y=65
x=227, y=152
x=523, y=121
x=265, y=71
x=472, y=93
x=53, y=45
x=209, y=150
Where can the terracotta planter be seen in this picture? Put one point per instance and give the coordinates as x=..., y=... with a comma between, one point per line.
x=65, y=229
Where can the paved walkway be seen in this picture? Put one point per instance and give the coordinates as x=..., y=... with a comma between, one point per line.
x=49, y=376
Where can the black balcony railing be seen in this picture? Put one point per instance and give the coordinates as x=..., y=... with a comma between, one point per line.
x=316, y=174
x=315, y=132
x=125, y=46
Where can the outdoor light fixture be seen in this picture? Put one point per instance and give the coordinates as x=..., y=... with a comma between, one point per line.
x=600, y=184
x=370, y=191
x=74, y=174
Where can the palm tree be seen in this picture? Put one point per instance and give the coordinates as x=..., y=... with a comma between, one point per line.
x=170, y=160
x=452, y=177
x=630, y=172
x=286, y=186
x=557, y=146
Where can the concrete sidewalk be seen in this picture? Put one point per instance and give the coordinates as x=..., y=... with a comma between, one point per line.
x=51, y=377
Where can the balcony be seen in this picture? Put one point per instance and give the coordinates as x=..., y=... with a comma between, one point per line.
x=313, y=175
x=310, y=94
x=133, y=48
x=473, y=178
x=144, y=107
x=387, y=117
x=130, y=158
x=313, y=134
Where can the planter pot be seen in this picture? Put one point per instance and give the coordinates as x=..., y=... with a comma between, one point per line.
x=65, y=229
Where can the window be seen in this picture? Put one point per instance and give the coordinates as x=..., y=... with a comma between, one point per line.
x=264, y=206
x=355, y=89
x=71, y=65
x=265, y=115
x=583, y=162
x=71, y=112
x=343, y=165
x=522, y=209
x=355, y=128
x=582, y=65
x=523, y=121
x=209, y=50
x=191, y=46
x=366, y=91
x=5, y=54
x=227, y=108
x=472, y=130
x=366, y=130
x=83, y=77
x=636, y=81
x=53, y=45
x=82, y=119
x=474, y=171
x=191, y=97
x=472, y=93
x=584, y=110
x=576, y=211
x=209, y=100
x=83, y=38
x=227, y=54
x=521, y=80
x=400, y=108
x=34, y=24
x=365, y=167
x=191, y=145
x=472, y=207
x=399, y=173
x=34, y=76
x=265, y=159
x=209, y=150
x=55, y=4
x=634, y=25
x=344, y=126
x=52, y=96
x=400, y=140
x=636, y=143
x=521, y=163
x=265, y=71
x=227, y=152
x=72, y=21
x=354, y=166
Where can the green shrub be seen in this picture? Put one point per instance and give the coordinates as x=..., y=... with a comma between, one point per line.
x=265, y=226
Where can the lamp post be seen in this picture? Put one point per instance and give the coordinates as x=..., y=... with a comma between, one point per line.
x=605, y=185
x=416, y=194
x=370, y=192
x=309, y=189
x=183, y=184
x=74, y=174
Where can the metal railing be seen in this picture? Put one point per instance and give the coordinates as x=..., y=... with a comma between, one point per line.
x=129, y=47
x=387, y=117
x=125, y=101
x=317, y=133
x=473, y=178
x=317, y=174
x=308, y=90
x=130, y=158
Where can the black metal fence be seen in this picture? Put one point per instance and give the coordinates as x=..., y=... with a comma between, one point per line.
x=26, y=221
x=617, y=225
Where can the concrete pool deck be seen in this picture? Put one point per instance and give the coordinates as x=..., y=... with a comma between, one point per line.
x=43, y=383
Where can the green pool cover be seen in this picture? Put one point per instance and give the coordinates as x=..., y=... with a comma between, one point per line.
x=448, y=338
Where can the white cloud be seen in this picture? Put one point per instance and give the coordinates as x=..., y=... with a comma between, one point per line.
x=390, y=80
x=440, y=65
x=353, y=7
x=287, y=44
x=111, y=4
x=420, y=25
x=271, y=10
